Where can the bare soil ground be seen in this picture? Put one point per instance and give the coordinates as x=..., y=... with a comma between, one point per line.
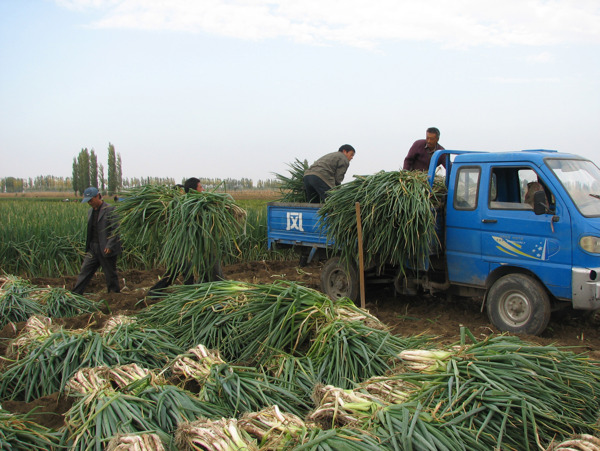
x=428, y=315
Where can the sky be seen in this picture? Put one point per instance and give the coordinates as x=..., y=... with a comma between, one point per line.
x=241, y=88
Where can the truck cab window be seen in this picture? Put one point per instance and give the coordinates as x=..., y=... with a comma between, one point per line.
x=513, y=188
x=467, y=188
x=581, y=179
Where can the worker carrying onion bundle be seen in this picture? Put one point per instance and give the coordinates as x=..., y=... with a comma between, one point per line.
x=216, y=274
x=327, y=172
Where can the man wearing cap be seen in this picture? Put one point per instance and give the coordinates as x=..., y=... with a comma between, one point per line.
x=102, y=245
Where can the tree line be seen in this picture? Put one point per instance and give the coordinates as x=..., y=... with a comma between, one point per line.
x=87, y=171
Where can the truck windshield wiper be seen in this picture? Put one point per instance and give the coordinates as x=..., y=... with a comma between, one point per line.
x=597, y=196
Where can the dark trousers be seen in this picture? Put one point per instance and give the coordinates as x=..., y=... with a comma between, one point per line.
x=94, y=259
x=316, y=189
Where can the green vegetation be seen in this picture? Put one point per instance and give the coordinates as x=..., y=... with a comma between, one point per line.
x=46, y=238
x=398, y=217
x=281, y=366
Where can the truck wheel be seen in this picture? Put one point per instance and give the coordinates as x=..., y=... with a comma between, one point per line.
x=338, y=281
x=518, y=303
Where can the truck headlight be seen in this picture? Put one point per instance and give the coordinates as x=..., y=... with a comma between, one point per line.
x=590, y=244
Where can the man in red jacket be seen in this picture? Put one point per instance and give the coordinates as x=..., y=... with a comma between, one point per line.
x=420, y=153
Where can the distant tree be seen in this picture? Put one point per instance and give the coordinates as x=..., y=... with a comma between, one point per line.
x=112, y=170
x=101, y=178
x=83, y=166
x=75, y=178
x=119, y=173
x=93, y=169
x=13, y=185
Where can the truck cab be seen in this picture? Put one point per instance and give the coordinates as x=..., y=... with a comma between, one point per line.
x=523, y=229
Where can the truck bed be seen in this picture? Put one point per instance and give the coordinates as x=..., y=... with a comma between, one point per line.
x=294, y=224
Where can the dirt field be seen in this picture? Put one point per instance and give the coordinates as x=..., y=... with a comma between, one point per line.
x=433, y=316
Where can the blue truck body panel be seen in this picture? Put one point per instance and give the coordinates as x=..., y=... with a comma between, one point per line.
x=295, y=224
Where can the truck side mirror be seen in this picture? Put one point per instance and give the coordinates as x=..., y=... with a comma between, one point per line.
x=539, y=203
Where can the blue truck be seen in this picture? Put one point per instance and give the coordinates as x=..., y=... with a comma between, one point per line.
x=518, y=230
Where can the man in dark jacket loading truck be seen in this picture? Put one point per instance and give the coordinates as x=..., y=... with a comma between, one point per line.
x=327, y=172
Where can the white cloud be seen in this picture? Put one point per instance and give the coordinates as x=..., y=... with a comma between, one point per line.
x=517, y=80
x=362, y=23
x=544, y=57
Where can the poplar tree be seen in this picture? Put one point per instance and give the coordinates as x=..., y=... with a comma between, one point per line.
x=101, y=178
x=83, y=163
x=75, y=179
x=112, y=170
x=93, y=169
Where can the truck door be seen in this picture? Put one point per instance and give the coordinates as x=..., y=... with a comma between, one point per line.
x=463, y=227
x=511, y=233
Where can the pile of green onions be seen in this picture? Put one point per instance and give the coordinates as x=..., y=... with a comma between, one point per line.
x=397, y=213
x=219, y=435
x=18, y=432
x=238, y=389
x=16, y=304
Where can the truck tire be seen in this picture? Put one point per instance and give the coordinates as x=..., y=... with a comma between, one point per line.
x=518, y=303
x=338, y=281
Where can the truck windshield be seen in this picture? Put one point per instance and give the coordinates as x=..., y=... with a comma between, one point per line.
x=581, y=179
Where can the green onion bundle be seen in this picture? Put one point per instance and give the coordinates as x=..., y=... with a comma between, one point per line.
x=205, y=313
x=293, y=371
x=61, y=303
x=409, y=426
x=221, y=435
x=170, y=404
x=189, y=233
x=17, y=432
x=346, y=352
x=345, y=438
x=97, y=417
x=271, y=427
x=16, y=304
x=291, y=187
x=138, y=343
x=391, y=389
x=47, y=367
x=173, y=405
x=337, y=407
x=137, y=442
x=256, y=323
x=397, y=213
x=239, y=389
x=37, y=329
x=282, y=316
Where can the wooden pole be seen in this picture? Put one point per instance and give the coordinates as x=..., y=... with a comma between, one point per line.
x=361, y=263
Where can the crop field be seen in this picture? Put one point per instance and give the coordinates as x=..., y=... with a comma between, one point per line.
x=263, y=360
x=45, y=237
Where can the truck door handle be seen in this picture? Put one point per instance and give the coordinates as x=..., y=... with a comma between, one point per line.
x=489, y=221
